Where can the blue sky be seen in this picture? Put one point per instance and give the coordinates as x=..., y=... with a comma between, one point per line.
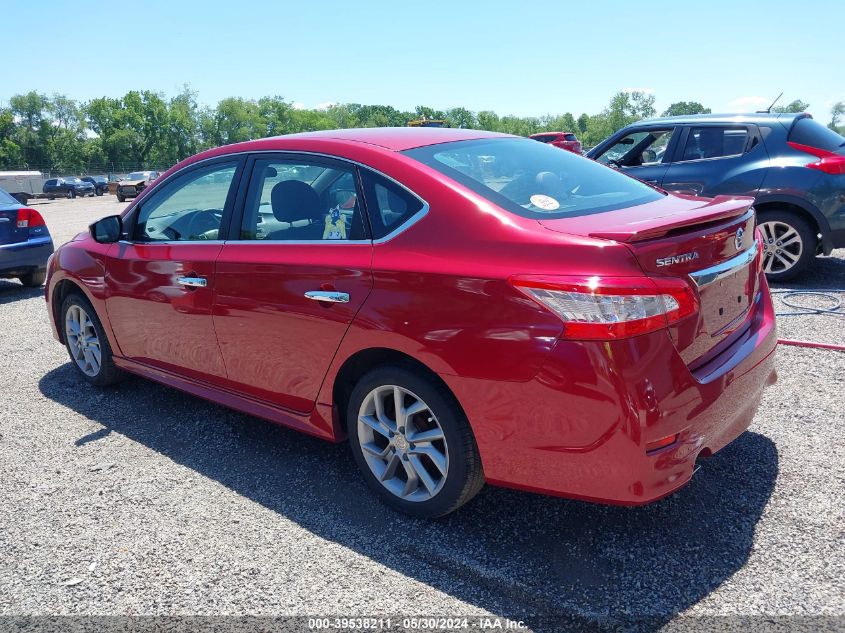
x=519, y=57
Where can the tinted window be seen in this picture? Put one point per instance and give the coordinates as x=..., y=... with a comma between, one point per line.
x=187, y=208
x=545, y=138
x=389, y=204
x=714, y=142
x=809, y=132
x=535, y=180
x=293, y=200
x=638, y=148
x=570, y=137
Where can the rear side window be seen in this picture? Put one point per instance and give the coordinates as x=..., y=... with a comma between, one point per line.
x=715, y=142
x=5, y=198
x=545, y=138
x=570, y=137
x=809, y=132
x=535, y=180
x=389, y=205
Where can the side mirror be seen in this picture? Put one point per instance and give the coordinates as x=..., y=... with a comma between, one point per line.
x=107, y=230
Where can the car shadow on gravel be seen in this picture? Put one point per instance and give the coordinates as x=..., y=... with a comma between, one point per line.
x=554, y=563
x=823, y=273
x=13, y=291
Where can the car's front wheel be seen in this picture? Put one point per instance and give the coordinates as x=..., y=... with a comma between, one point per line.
x=789, y=244
x=99, y=192
x=71, y=193
x=121, y=198
x=412, y=442
x=86, y=342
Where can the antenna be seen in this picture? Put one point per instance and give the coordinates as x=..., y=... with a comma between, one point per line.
x=769, y=109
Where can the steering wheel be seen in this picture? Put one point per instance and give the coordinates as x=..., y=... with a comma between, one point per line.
x=203, y=223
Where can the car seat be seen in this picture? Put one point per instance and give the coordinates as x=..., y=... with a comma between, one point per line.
x=296, y=201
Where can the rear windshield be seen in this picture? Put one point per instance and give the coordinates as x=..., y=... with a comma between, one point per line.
x=545, y=138
x=5, y=198
x=534, y=180
x=809, y=132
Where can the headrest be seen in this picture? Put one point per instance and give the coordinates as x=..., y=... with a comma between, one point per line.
x=293, y=200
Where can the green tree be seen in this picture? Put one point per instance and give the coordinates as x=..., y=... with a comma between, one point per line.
x=795, y=106
x=33, y=130
x=837, y=113
x=681, y=108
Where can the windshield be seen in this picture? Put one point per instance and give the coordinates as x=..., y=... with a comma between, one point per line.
x=533, y=179
x=137, y=175
x=5, y=198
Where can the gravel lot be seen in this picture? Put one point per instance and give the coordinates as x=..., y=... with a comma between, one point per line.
x=144, y=500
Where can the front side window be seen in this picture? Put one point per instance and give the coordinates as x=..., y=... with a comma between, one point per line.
x=189, y=208
x=534, y=180
x=637, y=149
x=714, y=142
x=302, y=200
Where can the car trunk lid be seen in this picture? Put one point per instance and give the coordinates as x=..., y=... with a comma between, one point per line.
x=709, y=243
x=9, y=232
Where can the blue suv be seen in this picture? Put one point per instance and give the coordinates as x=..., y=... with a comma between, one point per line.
x=793, y=166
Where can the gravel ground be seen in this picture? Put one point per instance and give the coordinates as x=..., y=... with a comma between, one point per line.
x=144, y=500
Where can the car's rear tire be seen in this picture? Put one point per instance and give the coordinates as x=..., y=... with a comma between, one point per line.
x=99, y=192
x=34, y=279
x=21, y=198
x=425, y=464
x=121, y=198
x=71, y=193
x=789, y=244
x=86, y=342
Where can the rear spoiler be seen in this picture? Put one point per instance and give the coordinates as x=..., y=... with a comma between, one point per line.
x=716, y=210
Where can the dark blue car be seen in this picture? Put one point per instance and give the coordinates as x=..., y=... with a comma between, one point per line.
x=69, y=187
x=25, y=242
x=793, y=166
x=101, y=183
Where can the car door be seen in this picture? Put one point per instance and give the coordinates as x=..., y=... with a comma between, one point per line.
x=642, y=152
x=289, y=285
x=160, y=278
x=713, y=159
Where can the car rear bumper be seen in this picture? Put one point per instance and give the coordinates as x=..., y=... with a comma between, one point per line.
x=23, y=257
x=580, y=428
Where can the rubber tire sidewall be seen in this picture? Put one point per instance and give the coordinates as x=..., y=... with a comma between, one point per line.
x=71, y=193
x=109, y=374
x=808, y=238
x=35, y=279
x=465, y=477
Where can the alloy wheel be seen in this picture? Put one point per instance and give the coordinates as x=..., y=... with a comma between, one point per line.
x=782, y=246
x=403, y=443
x=83, y=342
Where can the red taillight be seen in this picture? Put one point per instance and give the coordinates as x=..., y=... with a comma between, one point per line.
x=604, y=308
x=834, y=165
x=829, y=163
x=28, y=218
x=661, y=443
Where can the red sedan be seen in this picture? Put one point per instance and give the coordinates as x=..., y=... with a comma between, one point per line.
x=464, y=307
x=563, y=140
